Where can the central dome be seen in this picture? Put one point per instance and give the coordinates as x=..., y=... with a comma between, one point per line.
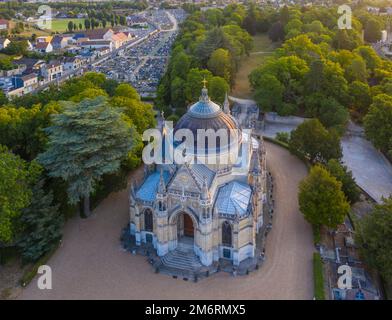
x=205, y=114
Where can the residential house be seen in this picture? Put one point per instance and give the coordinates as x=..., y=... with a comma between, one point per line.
x=60, y=42
x=4, y=42
x=103, y=51
x=28, y=83
x=96, y=44
x=17, y=69
x=4, y=24
x=17, y=92
x=99, y=34
x=72, y=64
x=52, y=70
x=73, y=49
x=44, y=47
x=119, y=39
x=79, y=41
x=30, y=65
x=44, y=39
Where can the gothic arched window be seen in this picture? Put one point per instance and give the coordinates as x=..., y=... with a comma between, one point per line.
x=148, y=220
x=226, y=234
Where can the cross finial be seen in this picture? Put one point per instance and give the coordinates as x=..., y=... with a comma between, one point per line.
x=204, y=82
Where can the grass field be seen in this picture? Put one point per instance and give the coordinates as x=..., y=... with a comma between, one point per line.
x=58, y=25
x=61, y=25
x=262, y=49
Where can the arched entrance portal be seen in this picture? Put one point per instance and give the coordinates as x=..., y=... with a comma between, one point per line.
x=188, y=226
x=185, y=228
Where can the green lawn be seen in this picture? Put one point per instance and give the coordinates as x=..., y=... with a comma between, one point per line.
x=318, y=277
x=262, y=49
x=61, y=25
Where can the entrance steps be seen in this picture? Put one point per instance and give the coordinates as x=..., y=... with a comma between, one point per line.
x=182, y=258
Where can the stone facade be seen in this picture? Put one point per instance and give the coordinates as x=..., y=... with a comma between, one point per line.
x=218, y=207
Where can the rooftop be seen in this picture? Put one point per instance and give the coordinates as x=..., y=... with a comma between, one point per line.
x=233, y=199
x=148, y=190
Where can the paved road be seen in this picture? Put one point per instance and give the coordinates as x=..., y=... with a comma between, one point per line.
x=372, y=171
x=173, y=20
x=91, y=264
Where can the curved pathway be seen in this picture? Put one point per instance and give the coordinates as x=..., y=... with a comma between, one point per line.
x=91, y=264
x=371, y=170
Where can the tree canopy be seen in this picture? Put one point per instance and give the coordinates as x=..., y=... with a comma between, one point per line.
x=16, y=178
x=374, y=238
x=87, y=140
x=312, y=141
x=321, y=199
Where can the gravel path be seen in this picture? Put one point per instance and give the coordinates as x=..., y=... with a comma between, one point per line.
x=91, y=264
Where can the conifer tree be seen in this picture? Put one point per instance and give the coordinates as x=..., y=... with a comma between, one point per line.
x=89, y=139
x=42, y=225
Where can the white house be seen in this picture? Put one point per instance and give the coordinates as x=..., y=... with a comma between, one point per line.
x=96, y=44
x=44, y=47
x=4, y=42
x=52, y=70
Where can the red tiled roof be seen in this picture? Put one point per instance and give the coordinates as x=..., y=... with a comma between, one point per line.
x=41, y=45
x=96, y=33
x=29, y=76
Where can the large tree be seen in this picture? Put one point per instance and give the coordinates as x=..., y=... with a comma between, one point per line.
x=42, y=224
x=88, y=139
x=220, y=64
x=312, y=141
x=194, y=83
x=345, y=176
x=372, y=32
x=378, y=122
x=217, y=89
x=374, y=238
x=321, y=199
x=16, y=180
x=360, y=97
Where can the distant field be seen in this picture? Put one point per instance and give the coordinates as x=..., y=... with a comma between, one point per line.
x=61, y=25
x=262, y=49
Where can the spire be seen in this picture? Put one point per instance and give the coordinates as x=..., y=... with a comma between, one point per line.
x=226, y=104
x=204, y=83
x=162, y=186
x=204, y=190
x=204, y=92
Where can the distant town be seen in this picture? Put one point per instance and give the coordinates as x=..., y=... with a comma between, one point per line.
x=135, y=52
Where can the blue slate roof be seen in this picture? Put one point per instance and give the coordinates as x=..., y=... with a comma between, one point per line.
x=204, y=109
x=233, y=198
x=200, y=171
x=148, y=190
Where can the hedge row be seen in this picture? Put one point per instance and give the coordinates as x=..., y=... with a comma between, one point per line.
x=318, y=277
